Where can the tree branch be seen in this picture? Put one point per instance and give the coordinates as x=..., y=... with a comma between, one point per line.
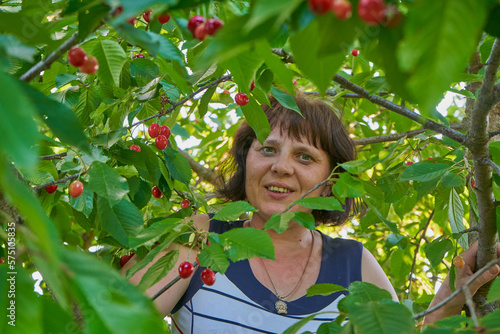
x=205, y=173
x=47, y=62
x=54, y=156
x=489, y=162
x=485, y=100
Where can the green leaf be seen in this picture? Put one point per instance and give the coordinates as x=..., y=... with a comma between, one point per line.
x=122, y=221
x=233, y=211
x=245, y=243
x=391, y=225
x=112, y=305
x=437, y=249
x=320, y=203
x=450, y=180
x=348, y=186
x=430, y=35
x=494, y=292
x=324, y=289
x=305, y=219
x=111, y=58
x=424, y=171
x=357, y=166
x=361, y=292
x=107, y=183
x=456, y=217
x=384, y=317
x=285, y=100
x=257, y=119
x=298, y=325
x=144, y=69
x=278, y=10
x=89, y=19
x=279, y=221
x=177, y=165
x=214, y=257
x=154, y=232
x=243, y=69
x=159, y=270
x=400, y=266
x=17, y=112
x=280, y=71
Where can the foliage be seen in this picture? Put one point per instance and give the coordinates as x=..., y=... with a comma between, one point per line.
x=414, y=174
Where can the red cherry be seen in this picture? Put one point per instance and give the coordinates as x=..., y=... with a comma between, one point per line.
x=77, y=57
x=51, y=189
x=147, y=15
x=161, y=142
x=473, y=184
x=75, y=189
x=409, y=163
x=185, y=269
x=154, y=130
x=90, y=66
x=156, y=192
x=165, y=131
x=131, y=20
x=241, y=99
x=2, y=260
x=164, y=18
x=355, y=52
x=252, y=85
x=320, y=7
x=371, y=11
x=342, y=9
x=135, y=147
x=208, y=276
x=185, y=203
x=194, y=22
x=139, y=55
x=118, y=11
x=212, y=25
x=125, y=258
x=200, y=33
x=295, y=82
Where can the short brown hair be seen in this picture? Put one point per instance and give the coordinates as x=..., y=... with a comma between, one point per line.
x=319, y=125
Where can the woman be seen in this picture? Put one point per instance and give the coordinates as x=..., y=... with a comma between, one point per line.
x=261, y=295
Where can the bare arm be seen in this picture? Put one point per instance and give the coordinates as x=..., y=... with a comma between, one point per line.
x=371, y=272
x=166, y=301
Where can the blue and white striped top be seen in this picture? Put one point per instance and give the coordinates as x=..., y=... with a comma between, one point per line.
x=239, y=303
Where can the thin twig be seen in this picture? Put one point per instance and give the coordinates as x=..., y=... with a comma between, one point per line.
x=494, y=133
x=172, y=282
x=470, y=305
x=181, y=102
x=469, y=230
x=54, y=156
x=307, y=193
x=457, y=291
x=489, y=162
x=67, y=178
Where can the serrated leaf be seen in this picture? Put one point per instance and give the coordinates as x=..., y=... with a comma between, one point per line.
x=324, y=289
x=233, y=211
x=286, y=100
x=257, y=119
x=320, y=203
x=177, y=165
x=437, y=249
x=424, y=171
x=348, y=186
x=278, y=10
x=245, y=243
x=144, y=68
x=381, y=318
x=280, y=71
x=305, y=219
x=399, y=267
x=106, y=182
x=214, y=257
x=159, y=270
x=357, y=166
x=279, y=221
x=456, y=218
x=494, y=292
x=111, y=58
x=120, y=221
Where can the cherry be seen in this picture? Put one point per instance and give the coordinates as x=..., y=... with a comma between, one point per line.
x=131, y=20
x=194, y=22
x=185, y=203
x=135, y=147
x=75, y=189
x=208, y=276
x=200, y=33
x=371, y=11
x=185, y=269
x=118, y=11
x=165, y=131
x=342, y=9
x=154, y=130
x=409, y=163
x=459, y=262
x=241, y=99
x=125, y=258
x=212, y=25
x=355, y=52
x=51, y=189
x=473, y=184
x=252, y=85
x=139, y=55
x=161, y=142
x=164, y=18
x=77, y=57
x=320, y=7
x=90, y=66
x=147, y=15
x=2, y=260
x=156, y=192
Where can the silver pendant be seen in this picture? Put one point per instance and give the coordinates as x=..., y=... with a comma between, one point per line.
x=281, y=306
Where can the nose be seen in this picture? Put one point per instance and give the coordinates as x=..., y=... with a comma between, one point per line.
x=282, y=165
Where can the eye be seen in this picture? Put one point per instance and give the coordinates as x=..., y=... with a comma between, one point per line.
x=305, y=157
x=267, y=150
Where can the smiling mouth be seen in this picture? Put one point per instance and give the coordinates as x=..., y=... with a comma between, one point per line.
x=279, y=189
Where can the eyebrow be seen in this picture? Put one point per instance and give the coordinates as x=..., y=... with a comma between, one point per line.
x=305, y=148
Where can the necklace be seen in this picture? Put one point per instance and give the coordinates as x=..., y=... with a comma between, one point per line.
x=281, y=306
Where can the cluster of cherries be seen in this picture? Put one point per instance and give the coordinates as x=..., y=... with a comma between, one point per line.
x=75, y=189
x=372, y=12
x=186, y=270
x=201, y=28
x=78, y=58
x=146, y=15
x=160, y=134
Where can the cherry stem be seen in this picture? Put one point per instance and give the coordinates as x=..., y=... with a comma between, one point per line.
x=172, y=282
x=74, y=176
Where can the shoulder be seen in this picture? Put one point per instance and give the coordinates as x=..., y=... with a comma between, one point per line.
x=349, y=246
x=373, y=273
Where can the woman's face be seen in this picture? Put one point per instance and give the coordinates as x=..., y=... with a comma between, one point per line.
x=281, y=171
